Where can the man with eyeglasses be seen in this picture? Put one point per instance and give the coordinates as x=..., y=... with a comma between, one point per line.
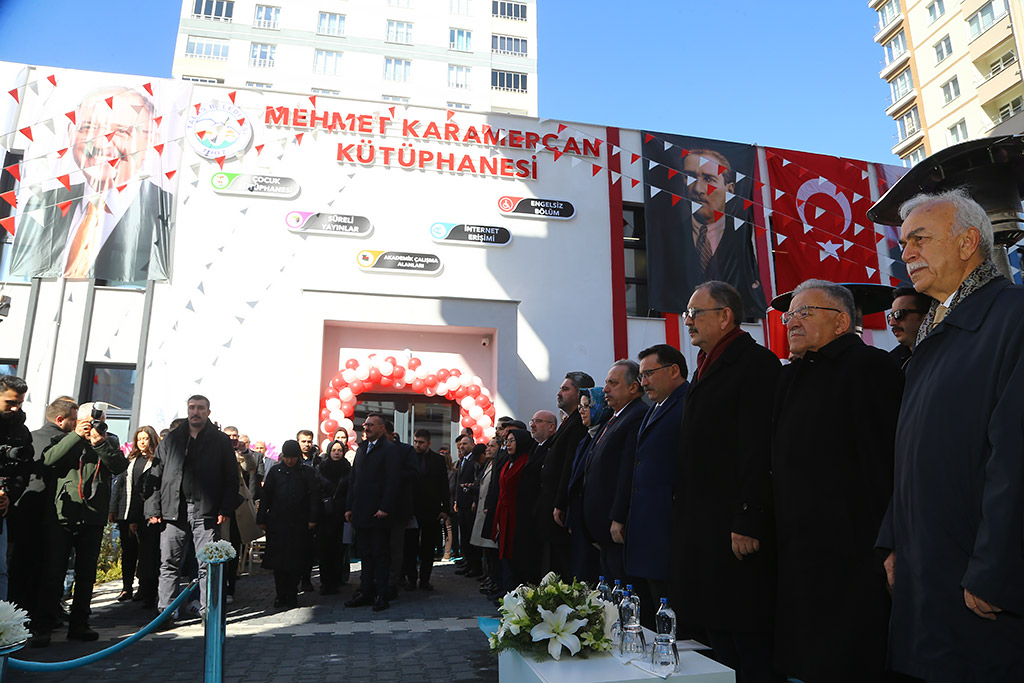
x=832, y=459
x=955, y=527
x=373, y=489
x=114, y=226
x=908, y=310
x=724, y=555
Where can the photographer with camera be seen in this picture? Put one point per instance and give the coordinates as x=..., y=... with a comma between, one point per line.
x=83, y=463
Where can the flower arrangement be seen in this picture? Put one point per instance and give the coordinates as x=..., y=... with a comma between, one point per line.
x=12, y=625
x=553, y=615
x=216, y=551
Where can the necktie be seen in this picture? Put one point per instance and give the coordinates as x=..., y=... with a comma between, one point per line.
x=85, y=242
x=703, y=246
x=940, y=314
x=603, y=431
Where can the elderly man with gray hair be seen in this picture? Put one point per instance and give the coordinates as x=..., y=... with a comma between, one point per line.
x=954, y=529
x=832, y=458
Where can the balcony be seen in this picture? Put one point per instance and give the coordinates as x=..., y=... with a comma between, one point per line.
x=261, y=63
x=991, y=38
x=887, y=31
x=902, y=104
x=875, y=4
x=996, y=85
x=908, y=143
x=895, y=65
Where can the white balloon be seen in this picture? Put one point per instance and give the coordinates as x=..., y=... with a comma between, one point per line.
x=386, y=369
x=399, y=384
x=484, y=421
x=422, y=372
x=441, y=388
x=338, y=416
x=428, y=391
x=477, y=381
x=362, y=372
x=476, y=412
x=407, y=352
x=467, y=403
x=465, y=380
x=483, y=390
x=489, y=432
x=333, y=404
x=346, y=394
x=348, y=374
x=347, y=425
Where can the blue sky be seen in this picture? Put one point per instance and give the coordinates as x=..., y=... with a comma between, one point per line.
x=801, y=74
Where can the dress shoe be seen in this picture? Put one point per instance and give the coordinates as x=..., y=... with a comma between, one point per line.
x=380, y=604
x=426, y=586
x=124, y=596
x=307, y=587
x=83, y=633
x=359, y=600
x=473, y=573
x=137, y=597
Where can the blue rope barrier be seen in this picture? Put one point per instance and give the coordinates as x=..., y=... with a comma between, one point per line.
x=23, y=665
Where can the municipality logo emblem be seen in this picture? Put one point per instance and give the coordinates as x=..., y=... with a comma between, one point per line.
x=218, y=130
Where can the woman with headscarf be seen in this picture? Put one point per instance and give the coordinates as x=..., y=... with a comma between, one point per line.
x=519, y=444
x=334, y=471
x=289, y=509
x=140, y=542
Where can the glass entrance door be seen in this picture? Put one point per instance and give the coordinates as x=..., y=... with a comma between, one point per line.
x=409, y=413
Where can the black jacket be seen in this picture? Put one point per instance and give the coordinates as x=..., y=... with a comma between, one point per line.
x=374, y=485
x=430, y=493
x=15, y=454
x=291, y=500
x=556, y=463
x=216, y=474
x=334, y=476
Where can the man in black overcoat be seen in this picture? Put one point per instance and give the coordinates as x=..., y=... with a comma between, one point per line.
x=430, y=507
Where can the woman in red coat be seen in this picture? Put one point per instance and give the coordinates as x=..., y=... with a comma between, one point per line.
x=519, y=444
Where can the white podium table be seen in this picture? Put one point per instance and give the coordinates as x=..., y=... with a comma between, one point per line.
x=604, y=668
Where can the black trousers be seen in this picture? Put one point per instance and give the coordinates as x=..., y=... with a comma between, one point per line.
x=28, y=555
x=85, y=540
x=129, y=555
x=375, y=550
x=470, y=552
x=286, y=583
x=334, y=560
x=420, y=543
x=749, y=654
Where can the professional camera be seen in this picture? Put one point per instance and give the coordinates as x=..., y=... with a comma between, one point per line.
x=98, y=410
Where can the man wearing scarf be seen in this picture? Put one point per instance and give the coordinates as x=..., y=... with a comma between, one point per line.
x=954, y=527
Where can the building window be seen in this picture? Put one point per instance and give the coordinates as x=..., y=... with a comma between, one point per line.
x=1001, y=63
x=895, y=48
x=214, y=10
x=508, y=80
x=330, y=24
x=935, y=10
x=634, y=241
x=256, y=84
x=982, y=20
x=459, y=7
x=958, y=132
x=509, y=10
x=908, y=124
x=9, y=366
x=395, y=98
x=113, y=384
x=950, y=90
x=943, y=49
x=396, y=69
x=1014, y=107
x=206, y=48
x=262, y=55
x=915, y=157
x=400, y=3
x=458, y=105
x=266, y=16
x=400, y=32
x=458, y=76
x=327, y=62
x=460, y=39
x=901, y=86
x=324, y=91
x=202, y=79
x=888, y=12
x=508, y=45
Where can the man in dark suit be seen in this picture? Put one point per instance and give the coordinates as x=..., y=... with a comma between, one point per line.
x=555, y=554
x=724, y=554
x=465, y=496
x=608, y=472
x=528, y=547
x=113, y=227
x=430, y=507
x=372, y=496
x=649, y=525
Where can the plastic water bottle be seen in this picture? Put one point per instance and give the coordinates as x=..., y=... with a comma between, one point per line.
x=665, y=621
x=616, y=594
x=632, y=644
x=635, y=599
x=603, y=589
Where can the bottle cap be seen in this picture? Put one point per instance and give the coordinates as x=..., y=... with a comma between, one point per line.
x=664, y=600
x=629, y=586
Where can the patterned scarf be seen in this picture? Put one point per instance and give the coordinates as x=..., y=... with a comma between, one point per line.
x=978, y=278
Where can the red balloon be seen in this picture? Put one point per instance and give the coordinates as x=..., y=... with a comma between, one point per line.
x=430, y=381
x=357, y=387
x=391, y=359
x=443, y=375
x=418, y=385
x=482, y=401
x=330, y=426
x=414, y=363
x=467, y=421
x=338, y=382
x=386, y=381
x=478, y=431
x=351, y=364
x=324, y=413
x=399, y=372
x=348, y=407
x=456, y=372
x=490, y=412
x=460, y=393
x=473, y=390
x=330, y=392
x=374, y=375
x=450, y=396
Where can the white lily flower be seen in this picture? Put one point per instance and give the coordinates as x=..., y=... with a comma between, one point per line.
x=558, y=631
x=514, y=611
x=550, y=577
x=611, y=615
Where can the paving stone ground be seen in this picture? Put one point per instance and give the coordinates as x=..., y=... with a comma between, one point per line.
x=423, y=637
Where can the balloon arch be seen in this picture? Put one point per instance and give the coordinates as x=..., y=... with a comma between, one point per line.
x=339, y=399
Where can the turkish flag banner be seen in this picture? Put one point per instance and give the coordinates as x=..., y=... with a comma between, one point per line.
x=818, y=209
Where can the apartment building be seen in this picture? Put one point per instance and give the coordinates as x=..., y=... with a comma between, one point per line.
x=479, y=55
x=953, y=71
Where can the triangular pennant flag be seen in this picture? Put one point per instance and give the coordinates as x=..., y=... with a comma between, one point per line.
x=871, y=271
x=65, y=180
x=53, y=79
x=109, y=101
x=729, y=196
x=747, y=203
x=220, y=162
x=188, y=307
x=675, y=199
x=654, y=191
x=575, y=161
x=863, y=175
x=857, y=197
x=240, y=319
x=64, y=206
x=668, y=145
x=27, y=132
x=739, y=176
x=49, y=125
x=8, y=224
x=595, y=171
x=170, y=174
x=71, y=115
x=633, y=158
x=615, y=176
x=847, y=244
x=778, y=193
x=227, y=344
x=634, y=182
x=259, y=149
x=298, y=138
x=148, y=87
x=807, y=228
x=738, y=224
x=14, y=170
x=391, y=110
x=780, y=238
x=647, y=138
x=13, y=92
x=683, y=152
x=252, y=304
x=244, y=210
x=718, y=216
x=857, y=227
x=312, y=99
x=672, y=173
x=785, y=163
x=818, y=211
x=121, y=188
x=450, y=114
x=561, y=127
x=200, y=288
x=157, y=120
x=651, y=164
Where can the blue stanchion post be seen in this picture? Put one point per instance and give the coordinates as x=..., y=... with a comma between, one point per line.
x=216, y=622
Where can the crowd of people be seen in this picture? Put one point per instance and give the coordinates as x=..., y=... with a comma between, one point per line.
x=847, y=515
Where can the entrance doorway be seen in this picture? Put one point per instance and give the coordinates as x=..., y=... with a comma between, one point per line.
x=409, y=413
